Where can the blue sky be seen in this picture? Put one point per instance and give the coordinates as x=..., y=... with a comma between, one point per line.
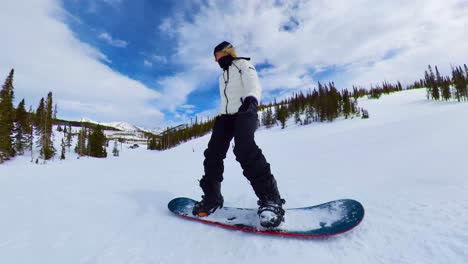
x=150, y=62
x=127, y=33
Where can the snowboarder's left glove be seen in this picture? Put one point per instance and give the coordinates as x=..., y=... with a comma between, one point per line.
x=249, y=104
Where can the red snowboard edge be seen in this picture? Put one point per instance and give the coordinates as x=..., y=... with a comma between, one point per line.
x=266, y=232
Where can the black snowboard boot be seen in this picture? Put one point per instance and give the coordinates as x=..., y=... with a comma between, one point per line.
x=211, y=200
x=270, y=204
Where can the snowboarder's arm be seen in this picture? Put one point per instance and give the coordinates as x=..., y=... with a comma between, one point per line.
x=250, y=81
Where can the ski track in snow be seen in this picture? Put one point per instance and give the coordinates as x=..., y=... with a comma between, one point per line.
x=406, y=165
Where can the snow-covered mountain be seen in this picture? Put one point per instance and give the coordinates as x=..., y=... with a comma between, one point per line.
x=406, y=164
x=124, y=126
x=87, y=120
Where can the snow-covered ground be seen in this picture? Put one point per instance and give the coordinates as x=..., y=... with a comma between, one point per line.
x=407, y=165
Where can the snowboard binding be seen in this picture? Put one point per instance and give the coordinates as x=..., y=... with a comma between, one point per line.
x=271, y=213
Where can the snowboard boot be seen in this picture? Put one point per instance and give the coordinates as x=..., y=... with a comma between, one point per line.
x=270, y=204
x=205, y=207
x=211, y=200
x=271, y=213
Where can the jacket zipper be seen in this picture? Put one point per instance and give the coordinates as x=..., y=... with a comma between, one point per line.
x=225, y=87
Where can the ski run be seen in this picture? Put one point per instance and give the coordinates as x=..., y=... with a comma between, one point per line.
x=407, y=165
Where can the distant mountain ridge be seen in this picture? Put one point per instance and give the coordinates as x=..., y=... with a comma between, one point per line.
x=120, y=126
x=124, y=126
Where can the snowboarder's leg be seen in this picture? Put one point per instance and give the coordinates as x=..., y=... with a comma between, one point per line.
x=210, y=183
x=222, y=134
x=257, y=170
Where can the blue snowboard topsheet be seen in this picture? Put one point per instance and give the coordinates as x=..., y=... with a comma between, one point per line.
x=322, y=220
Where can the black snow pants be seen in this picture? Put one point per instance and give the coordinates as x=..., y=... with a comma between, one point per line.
x=240, y=126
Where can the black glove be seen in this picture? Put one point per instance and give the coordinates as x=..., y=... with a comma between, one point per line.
x=249, y=104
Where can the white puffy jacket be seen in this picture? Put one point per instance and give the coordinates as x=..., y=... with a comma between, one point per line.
x=236, y=83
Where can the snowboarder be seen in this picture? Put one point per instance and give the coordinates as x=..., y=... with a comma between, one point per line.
x=240, y=92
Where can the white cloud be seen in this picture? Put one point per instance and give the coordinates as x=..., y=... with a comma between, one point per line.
x=187, y=106
x=47, y=57
x=153, y=58
x=113, y=42
x=159, y=59
x=147, y=63
x=93, y=5
x=176, y=89
x=354, y=36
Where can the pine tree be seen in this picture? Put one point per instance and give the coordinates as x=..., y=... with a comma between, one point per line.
x=7, y=119
x=39, y=125
x=277, y=113
x=269, y=118
x=439, y=79
x=427, y=84
x=62, y=155
x=458, y=80
x=80, y=147
x=282, y=116
x=435, y=89
x=446, y=93
x=152, y=145
x=21, y=128
x=39, y=116
x=309, y=116
x=69, y=137
x=334, y=98
x=97, y=141
x=322, y=104
x=346, y=104
x=44, y=131
x=297, y=117
x=464, y=84
x=29, y=134
x=466, y=71
x=48, y=150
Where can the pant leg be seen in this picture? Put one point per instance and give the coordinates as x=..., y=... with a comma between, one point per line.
x=222, y=134
x=255, y=167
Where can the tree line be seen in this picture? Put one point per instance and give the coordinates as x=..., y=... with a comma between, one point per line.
x=174, y=136
x=323, y=104
x=19, y=128
x=24, y=130
x=438, y=87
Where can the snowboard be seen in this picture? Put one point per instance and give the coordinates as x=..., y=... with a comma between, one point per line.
x=323, y=220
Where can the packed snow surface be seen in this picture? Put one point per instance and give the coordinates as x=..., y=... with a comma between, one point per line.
x=407, y=165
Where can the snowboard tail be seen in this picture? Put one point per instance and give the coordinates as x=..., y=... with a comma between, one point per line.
x=323, y=220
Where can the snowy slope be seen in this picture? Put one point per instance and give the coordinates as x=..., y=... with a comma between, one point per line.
x=406, y=164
